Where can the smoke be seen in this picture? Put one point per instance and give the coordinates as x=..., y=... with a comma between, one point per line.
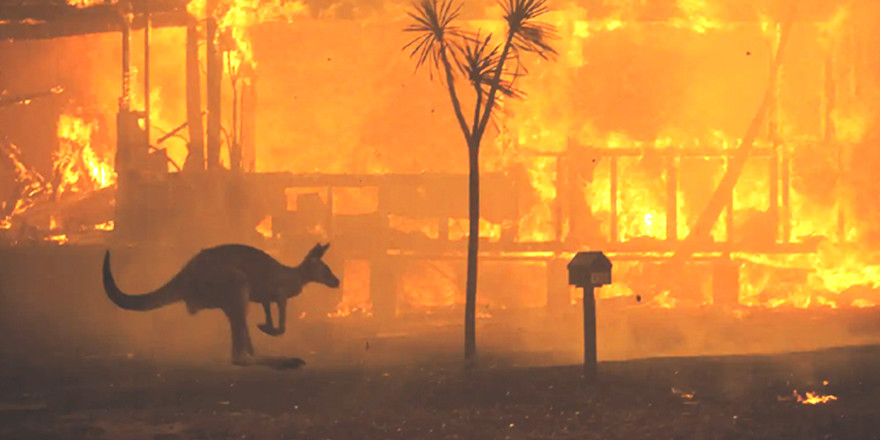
x=337, y=95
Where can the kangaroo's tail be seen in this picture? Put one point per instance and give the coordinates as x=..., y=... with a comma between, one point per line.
x=160, y=297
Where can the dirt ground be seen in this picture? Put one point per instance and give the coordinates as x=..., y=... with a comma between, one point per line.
x=74, y=397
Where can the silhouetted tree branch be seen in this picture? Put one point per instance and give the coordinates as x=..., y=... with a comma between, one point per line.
x=440, y=44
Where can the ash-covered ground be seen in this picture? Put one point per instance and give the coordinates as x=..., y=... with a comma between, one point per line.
x=68, y=396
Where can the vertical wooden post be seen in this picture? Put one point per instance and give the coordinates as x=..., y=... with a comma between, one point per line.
x=774, y=190
x=613, y=176
x=249, y=123
x=558, y=202
x=329, y=214
x=773, y=137
x=591, y=360
x=195, y=158
x=147, y=76
x=729, y=216
x=785, y=177
x=124, y=134
x=125, y=99
x=671, y=199
x=831, y=139
x=234, y=145
x=784, y=154
x=214, y=77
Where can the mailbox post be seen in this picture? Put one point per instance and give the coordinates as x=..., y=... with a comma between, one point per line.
x=588, y=271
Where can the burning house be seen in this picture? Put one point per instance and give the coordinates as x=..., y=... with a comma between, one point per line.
x=717, y=151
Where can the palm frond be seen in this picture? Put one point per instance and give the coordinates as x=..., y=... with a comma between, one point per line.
x=436, y=34
x=528, y=34
x=478, y=63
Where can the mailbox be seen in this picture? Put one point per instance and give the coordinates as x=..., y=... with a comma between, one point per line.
x=589, y=269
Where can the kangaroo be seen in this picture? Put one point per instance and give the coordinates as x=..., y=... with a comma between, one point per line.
x=229, y=277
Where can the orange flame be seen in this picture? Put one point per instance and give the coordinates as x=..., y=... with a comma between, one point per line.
x=812, y=398
x=76, y=163
x=534, y=132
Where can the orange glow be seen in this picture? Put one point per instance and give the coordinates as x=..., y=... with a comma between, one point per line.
x=812, y=398
x=265, y=227
x=106, y=226
x=338, y=96
x=89, y=3
x=80, y=168
x=458, y=229
x=355, y=290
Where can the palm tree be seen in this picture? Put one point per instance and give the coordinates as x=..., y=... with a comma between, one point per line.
x=490, y=69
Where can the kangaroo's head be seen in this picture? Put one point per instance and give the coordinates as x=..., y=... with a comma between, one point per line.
x=315, y=270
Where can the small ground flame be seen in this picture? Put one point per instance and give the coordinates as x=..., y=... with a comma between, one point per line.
x=812, y=398
x=265, y=227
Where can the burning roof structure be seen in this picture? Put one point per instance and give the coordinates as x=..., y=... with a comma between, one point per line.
x=622, y=144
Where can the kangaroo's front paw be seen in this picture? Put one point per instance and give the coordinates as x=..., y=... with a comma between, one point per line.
x=268, y=329
x=290, y=364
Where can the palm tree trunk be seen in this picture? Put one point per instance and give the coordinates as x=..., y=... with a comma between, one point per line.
x=470, y=308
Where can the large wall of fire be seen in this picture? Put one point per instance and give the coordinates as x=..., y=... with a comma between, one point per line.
x=337, y=95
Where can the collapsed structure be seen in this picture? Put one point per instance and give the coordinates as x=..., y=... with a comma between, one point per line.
x=549, y=192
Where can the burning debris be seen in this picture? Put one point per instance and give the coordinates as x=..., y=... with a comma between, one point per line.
x=78, y=168
x=809, y=398
x=77, y=198
x=813, y=398
x=688, y=396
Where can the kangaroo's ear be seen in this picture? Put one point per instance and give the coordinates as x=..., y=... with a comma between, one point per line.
x=315, y=252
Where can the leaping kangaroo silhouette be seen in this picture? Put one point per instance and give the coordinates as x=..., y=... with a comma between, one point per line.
x=229, y=277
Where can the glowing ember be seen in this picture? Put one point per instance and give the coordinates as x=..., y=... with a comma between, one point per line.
x=106, y=226
x=682, y=394
x=60, y=239
x=355, y=290
x=862, y=303
x=31, y=185
x=265, y=227
x=812, y=398
x=90, y=3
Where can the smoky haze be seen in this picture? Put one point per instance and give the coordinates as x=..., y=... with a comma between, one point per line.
x=337, y=95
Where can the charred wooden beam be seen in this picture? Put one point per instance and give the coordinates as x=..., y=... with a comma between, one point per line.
x=47, y=10
x=615, y=237
x=559, y=202
x=773, y=137
x=27, y=98
x=249, y=123
x=671, y=199
x=125, y=98
x=195, y=159
x=703, y=227
x=147, y=126
x=728, y=210
x=830, y=103
x=214, y=79
x=785, y=177
x=68, y=27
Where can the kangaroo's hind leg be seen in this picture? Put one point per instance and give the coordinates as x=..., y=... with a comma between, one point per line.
x=240, y=337
x=235, y=309
x=242, y=348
